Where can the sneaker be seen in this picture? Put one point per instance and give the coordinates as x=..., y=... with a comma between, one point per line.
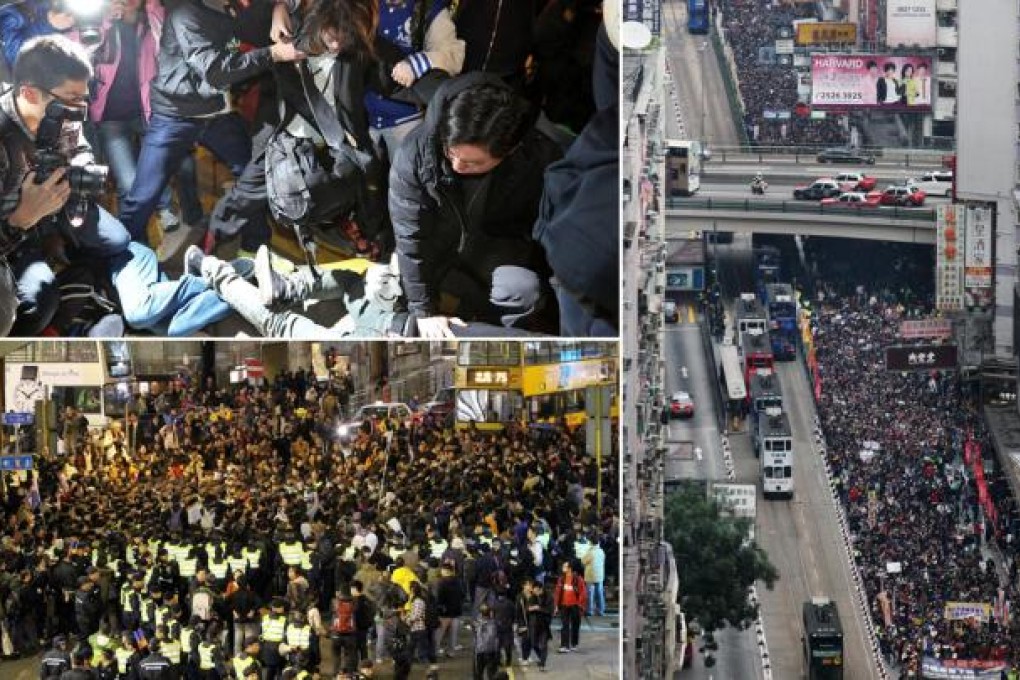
x=169, y=221
x=271, y=285
x=193, y=257
x=562, y=650
x=441, y=651
x=459, y=648
x=572, y=650
x=525, y=662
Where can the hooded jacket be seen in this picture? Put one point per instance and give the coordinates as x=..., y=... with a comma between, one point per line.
x=427, y=206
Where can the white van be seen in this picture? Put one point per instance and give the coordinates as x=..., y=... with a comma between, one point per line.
x=934, y=183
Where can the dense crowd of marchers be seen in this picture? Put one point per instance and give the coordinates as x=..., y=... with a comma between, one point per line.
x=222, y=532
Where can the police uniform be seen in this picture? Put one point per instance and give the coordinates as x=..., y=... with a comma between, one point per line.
x=274, y=627
x=156, y=667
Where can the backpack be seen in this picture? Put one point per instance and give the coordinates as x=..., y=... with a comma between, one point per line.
x=87, y=297
x=431, y=612
x=498, y=580
x=400, y=641
x=343, y=618
x=486, y=637
x=175, y=523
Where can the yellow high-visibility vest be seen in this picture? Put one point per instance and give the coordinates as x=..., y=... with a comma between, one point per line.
x=299, y=636
x=273, y=627
x=253, y=557
x=241, y=666
x=237, y=563
x=291, y=553
x=171, y=649
x=122, y=654
x=188, y=566
x=187, y=643
x=218, y=569
x=205, y=656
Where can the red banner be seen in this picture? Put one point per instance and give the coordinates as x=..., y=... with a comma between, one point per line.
x=972, y=455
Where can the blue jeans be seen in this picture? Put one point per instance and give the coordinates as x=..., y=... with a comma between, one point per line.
x=120, y=141
x=576, y=321
x=101, y=237
x=596, y=596
x=167, y=142
x=150, y=301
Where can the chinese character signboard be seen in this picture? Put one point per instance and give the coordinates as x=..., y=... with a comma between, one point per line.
x=920, y=357
x=826, y=33
x=949, y=237
x=936, y=329
x=978, y=257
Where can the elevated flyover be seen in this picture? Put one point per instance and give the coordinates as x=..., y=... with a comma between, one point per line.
x=765, y=216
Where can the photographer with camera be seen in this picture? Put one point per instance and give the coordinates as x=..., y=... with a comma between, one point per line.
x=47, y=180
x=198, y=63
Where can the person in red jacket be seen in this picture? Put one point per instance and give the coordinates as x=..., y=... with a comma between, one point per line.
x=570, y=600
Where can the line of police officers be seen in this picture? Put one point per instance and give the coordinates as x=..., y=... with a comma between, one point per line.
x=170, y=611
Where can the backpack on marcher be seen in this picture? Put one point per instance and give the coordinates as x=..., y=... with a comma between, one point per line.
x=486, y=636
x=202, y=605
x=343, y=618
x=87, y=298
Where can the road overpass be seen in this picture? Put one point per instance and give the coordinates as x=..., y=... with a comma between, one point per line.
x=766, y=216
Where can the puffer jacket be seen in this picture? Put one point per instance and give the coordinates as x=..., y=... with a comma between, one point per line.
x=427, y=207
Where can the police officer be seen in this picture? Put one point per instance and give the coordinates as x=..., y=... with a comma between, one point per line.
x=211, y=664
x=127, y=655
x=247, y=661
x=156, y=666
x=56, y=660
x=274, y=627
x=81, y=665
x=299, y=634
x=87, y=607
x=131, y=600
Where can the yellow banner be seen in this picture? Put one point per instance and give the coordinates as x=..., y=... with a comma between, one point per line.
x=826, y=33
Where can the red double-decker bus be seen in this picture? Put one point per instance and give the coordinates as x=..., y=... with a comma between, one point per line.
x=756, y=355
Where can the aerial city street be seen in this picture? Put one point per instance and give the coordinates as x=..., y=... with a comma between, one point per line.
x=819, y=337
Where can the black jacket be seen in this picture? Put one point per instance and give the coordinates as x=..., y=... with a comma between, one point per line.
x=197, y=62
x=579, y=225
x=427, y=207
x=156, y=667
x=450, y=597
x=53, y=664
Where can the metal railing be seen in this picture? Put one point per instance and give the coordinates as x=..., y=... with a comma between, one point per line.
x=809, y=154
x=799, y=207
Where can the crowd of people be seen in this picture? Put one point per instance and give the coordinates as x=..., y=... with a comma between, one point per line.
x=752, y=26
x=473, y=143
x=895, y=445
x=223, y=533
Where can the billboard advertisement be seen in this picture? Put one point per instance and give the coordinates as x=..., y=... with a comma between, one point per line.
x=977, y=261
x=949, y=237
x=909, y=23
x=920, y=357
x=894, y=83
x=826, y=33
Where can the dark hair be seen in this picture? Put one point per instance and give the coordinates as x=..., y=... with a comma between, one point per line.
x=872, y=64
x=889, y=66
x=487, y=115
x=354, y=22
x=49, y=61
x=903, y=71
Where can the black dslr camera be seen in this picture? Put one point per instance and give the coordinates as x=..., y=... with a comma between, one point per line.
x=87, y=182
x=88, y=18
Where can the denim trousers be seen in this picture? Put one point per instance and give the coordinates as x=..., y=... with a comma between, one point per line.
x=168, y=141
x=151, y=301
x=120, y=141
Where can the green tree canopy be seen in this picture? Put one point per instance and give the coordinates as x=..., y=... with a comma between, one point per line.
x=716, y=563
